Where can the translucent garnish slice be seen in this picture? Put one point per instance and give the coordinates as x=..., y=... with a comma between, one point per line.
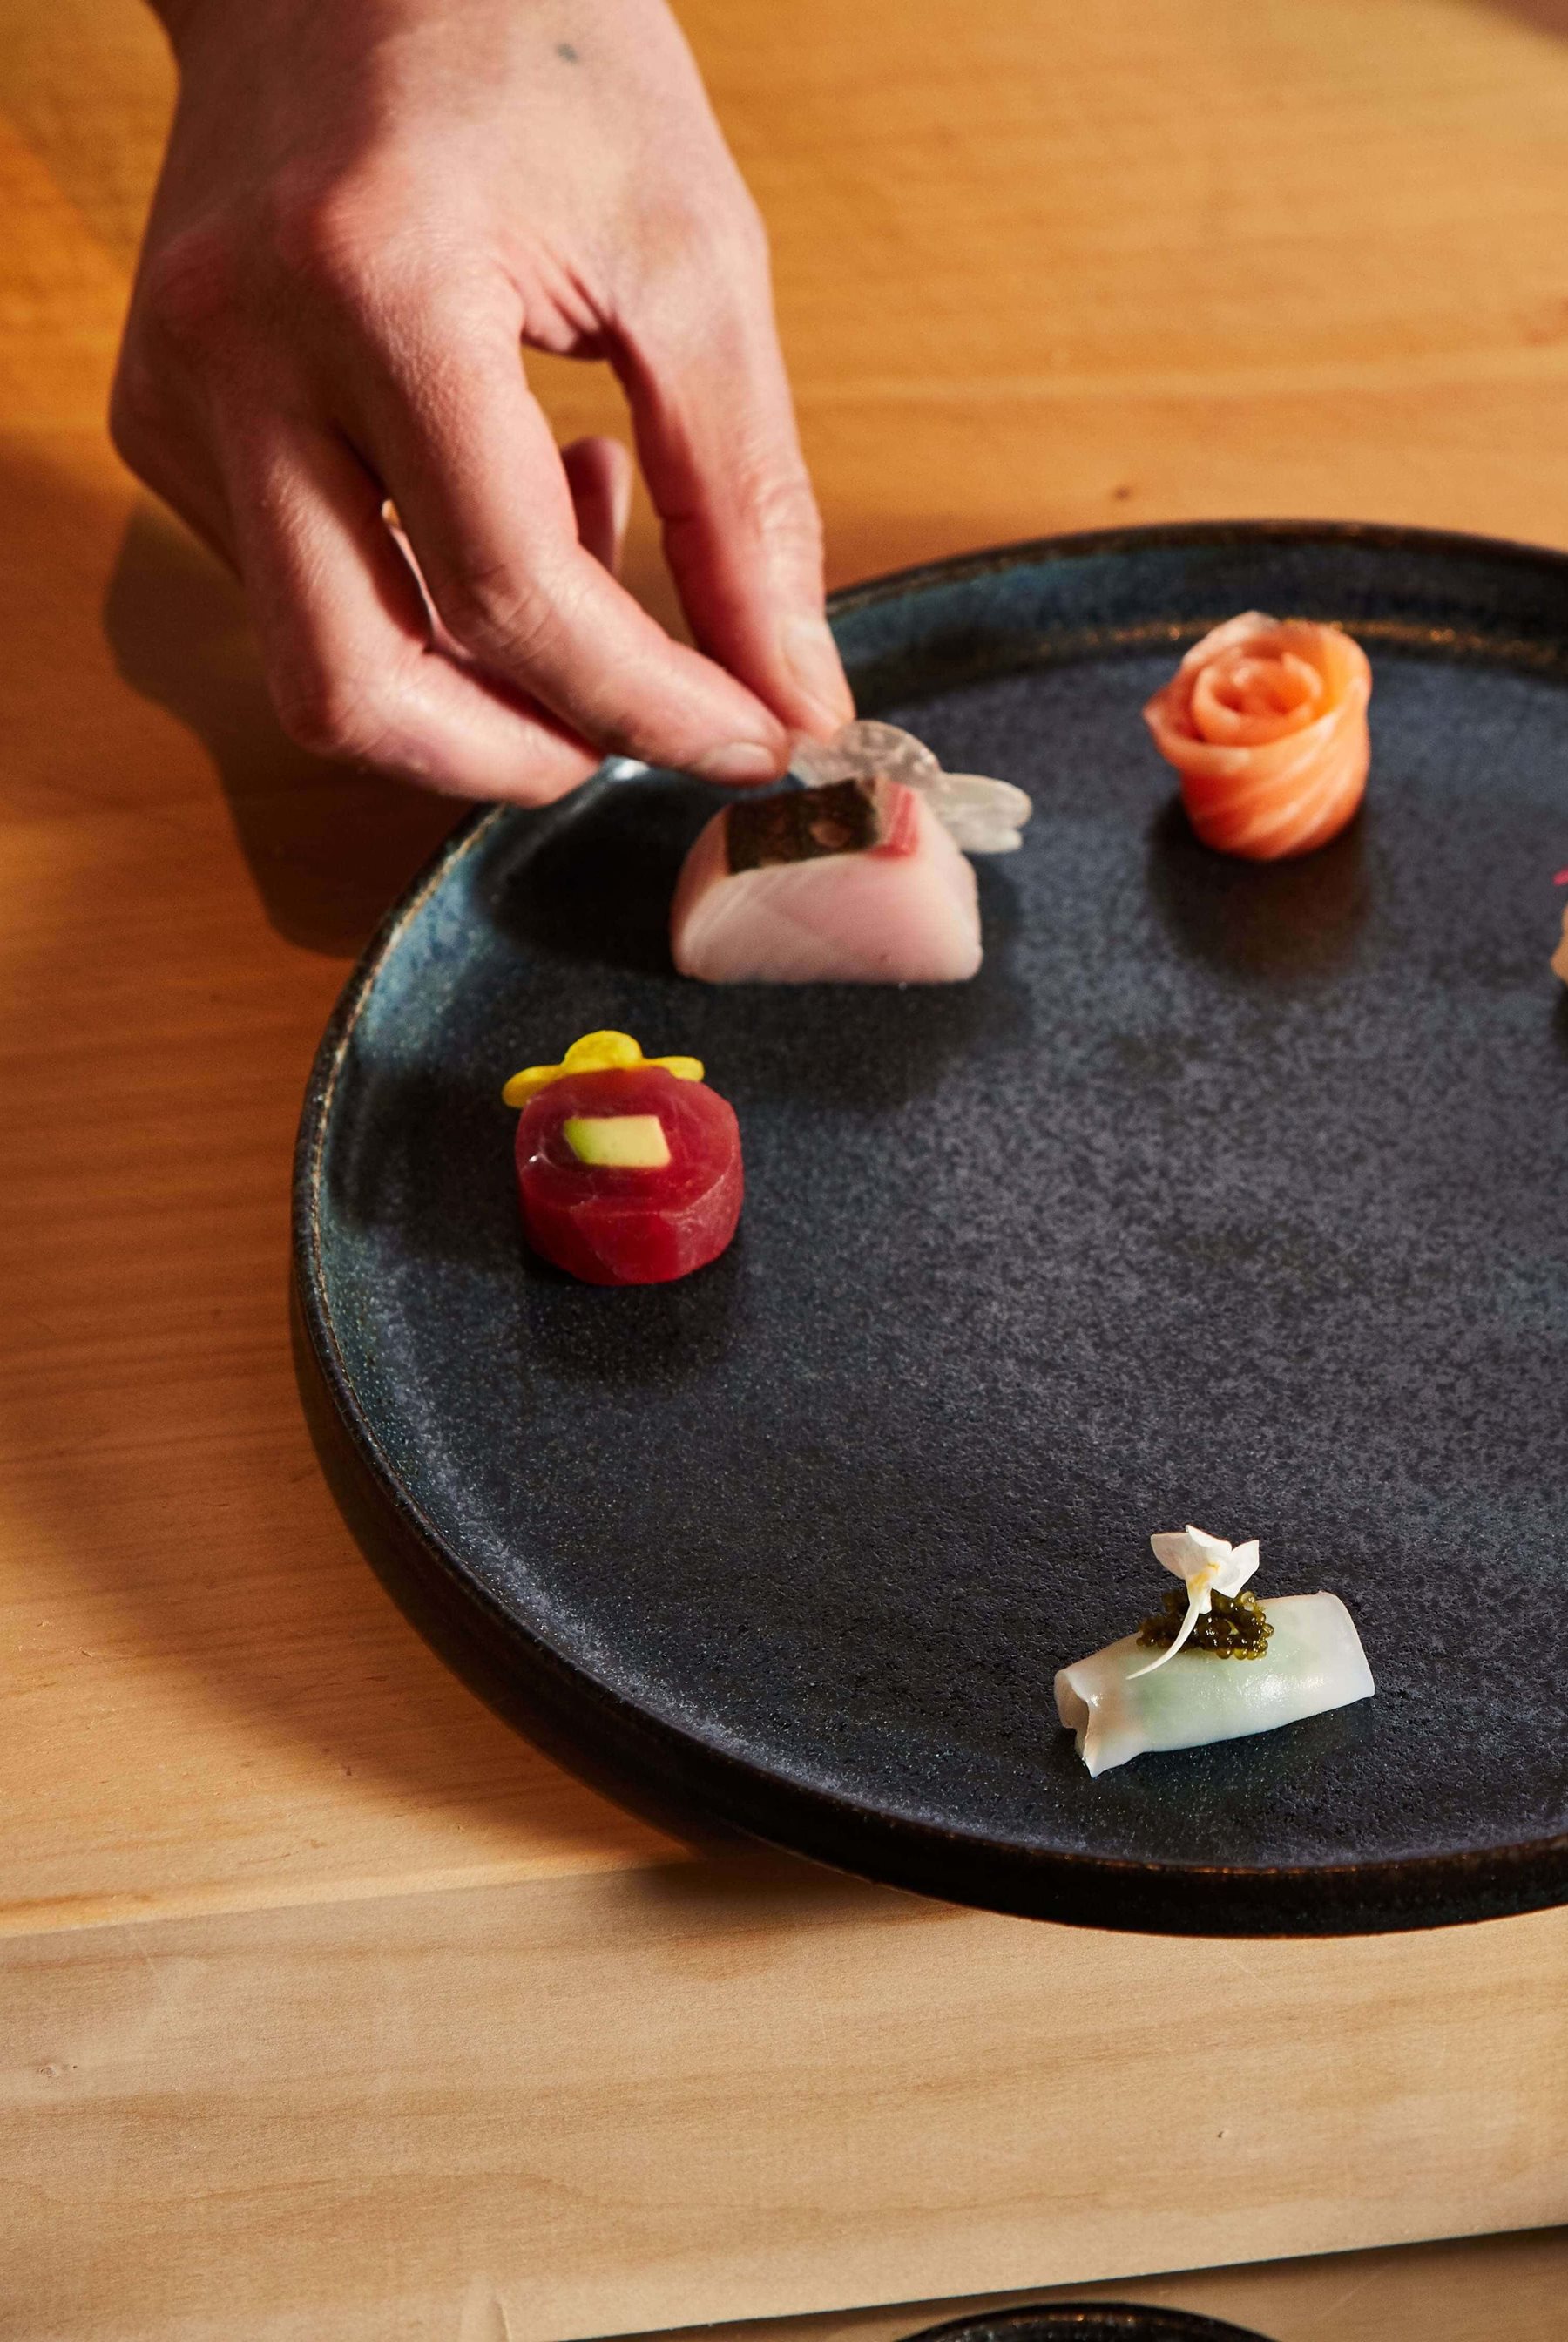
x=982, y=815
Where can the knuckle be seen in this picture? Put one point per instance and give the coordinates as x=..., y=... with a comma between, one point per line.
x=191, y=284
x=698, y=250
x=367, y=263
x=738, y=234
x=329, y=715
x=493, y=609
x=784, y=510
x=743, y=229
x=730, y=245
x=352, y=245
x=319, y=238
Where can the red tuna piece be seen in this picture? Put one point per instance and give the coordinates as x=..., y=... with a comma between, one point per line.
x=614, y=1225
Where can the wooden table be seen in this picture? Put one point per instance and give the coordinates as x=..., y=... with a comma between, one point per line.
x=330, y=2009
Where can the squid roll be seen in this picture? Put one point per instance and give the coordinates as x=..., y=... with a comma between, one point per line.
x=1218, y=1667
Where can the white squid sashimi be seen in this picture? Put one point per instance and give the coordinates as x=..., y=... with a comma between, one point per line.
x=857, y=882
x=1119, y=1706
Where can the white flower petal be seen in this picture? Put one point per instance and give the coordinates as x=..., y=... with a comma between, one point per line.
x=1235, y=1572
x=1212, y=1548
x=1182, y=1551
x=1171, y=1550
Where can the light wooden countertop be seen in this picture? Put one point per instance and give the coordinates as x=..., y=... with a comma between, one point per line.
x=1039, y=266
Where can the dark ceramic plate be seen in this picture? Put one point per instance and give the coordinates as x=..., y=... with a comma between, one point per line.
x=1223, y=1193
x=1089, y=2321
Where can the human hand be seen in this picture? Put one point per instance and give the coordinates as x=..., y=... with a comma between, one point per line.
x=366, y=207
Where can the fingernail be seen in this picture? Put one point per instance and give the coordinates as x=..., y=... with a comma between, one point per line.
x=812, y=656
x=745, y=761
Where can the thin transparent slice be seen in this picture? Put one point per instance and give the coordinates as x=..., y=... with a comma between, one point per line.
x=979, y=815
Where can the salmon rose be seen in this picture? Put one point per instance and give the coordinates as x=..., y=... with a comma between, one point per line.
x=1265, y=723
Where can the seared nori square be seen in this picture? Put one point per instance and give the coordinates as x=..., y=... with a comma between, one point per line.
x=803, y=824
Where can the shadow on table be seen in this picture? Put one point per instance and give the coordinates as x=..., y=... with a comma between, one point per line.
x=157, y=1476
x=179, y=1509
x=1287, y=923
x=1549, y=16
x=327, y=846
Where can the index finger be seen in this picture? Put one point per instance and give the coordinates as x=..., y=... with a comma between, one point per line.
x=716, y=434
x=469, y=459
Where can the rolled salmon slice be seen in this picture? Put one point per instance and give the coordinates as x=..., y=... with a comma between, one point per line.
x=1265, y=723
x=856, y=883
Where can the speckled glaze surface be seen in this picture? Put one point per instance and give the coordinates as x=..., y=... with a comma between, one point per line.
x=1090, y=2321
x=1223, y=1193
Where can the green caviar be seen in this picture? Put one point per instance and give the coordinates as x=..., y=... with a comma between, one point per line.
x=1234, y=1628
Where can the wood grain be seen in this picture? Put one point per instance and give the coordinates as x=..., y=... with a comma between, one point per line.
x=1037, y=268
x=315, y=2003
x=666, y=2096
x=1504, y=2288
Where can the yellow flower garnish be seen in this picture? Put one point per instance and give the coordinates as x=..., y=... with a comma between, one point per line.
x=595, y=1053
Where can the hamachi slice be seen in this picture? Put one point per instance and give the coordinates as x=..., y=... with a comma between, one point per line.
x=1266, y=722
x=856, y=883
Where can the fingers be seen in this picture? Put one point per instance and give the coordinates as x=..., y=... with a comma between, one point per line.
x=599, y=476
x=345, y=637
x=481, y=491
x=716, y=435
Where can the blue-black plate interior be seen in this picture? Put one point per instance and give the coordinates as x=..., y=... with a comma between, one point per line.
x=1225, y=1193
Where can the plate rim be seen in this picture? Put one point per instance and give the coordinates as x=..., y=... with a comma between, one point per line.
x=1049, y=2319
x=653, y=1765
x=1070, y=545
